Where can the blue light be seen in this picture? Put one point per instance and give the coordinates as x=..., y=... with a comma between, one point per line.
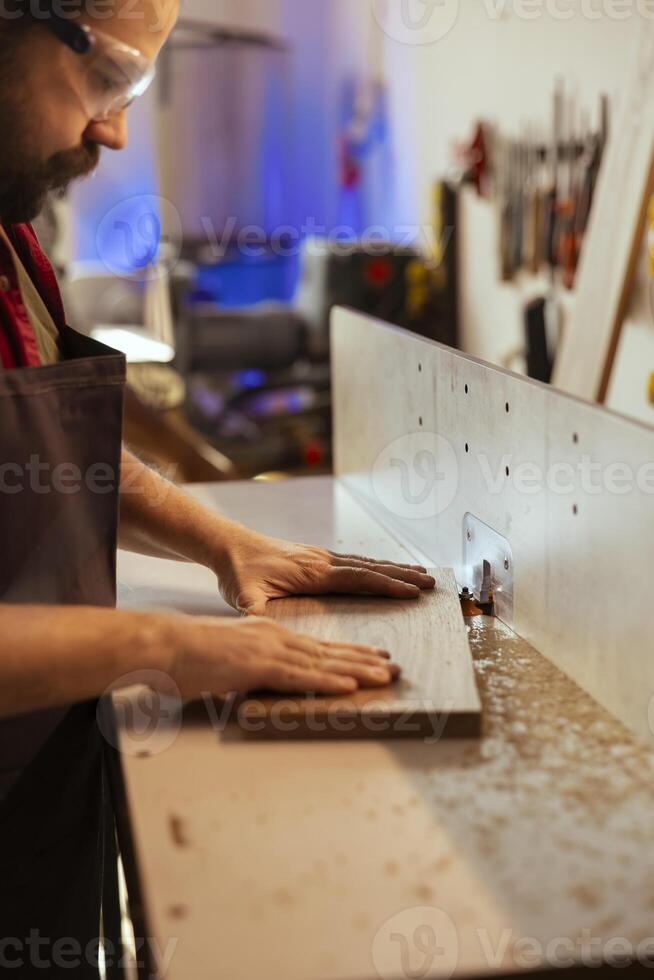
x=251, y=378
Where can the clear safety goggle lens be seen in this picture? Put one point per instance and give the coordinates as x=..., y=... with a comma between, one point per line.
x=115, y=75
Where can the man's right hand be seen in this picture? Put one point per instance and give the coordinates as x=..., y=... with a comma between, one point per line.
x=220, y=655
x=53, y=656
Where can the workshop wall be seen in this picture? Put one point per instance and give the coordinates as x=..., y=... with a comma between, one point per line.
x=334, y=46
x=261, y=15
x=130, y=178
x=492, y=63
x=132, y=174
x=503, y=68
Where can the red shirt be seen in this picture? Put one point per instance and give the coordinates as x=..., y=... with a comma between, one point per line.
x=17, y=341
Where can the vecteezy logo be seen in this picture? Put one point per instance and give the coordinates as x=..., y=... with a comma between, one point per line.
x=416, y=477
x=143, y=721
x=416, y=21
x=415, y=944
x=129, y=238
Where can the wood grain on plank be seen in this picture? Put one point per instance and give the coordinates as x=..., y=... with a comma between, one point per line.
x=435, y=697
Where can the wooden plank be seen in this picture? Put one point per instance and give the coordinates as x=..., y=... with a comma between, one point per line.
x=614, y=242
x=436, y=696
x=569, y=484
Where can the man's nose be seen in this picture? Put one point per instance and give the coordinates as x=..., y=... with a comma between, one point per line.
x=111, y=132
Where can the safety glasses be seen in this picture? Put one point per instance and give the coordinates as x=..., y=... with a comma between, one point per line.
x=114, y=73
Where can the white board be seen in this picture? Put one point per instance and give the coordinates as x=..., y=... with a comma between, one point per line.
x=425, y=436
x=613, y=243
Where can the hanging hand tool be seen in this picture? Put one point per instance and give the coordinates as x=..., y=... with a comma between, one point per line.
x=566, y=204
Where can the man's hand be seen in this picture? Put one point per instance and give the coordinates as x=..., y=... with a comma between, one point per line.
x=254, y=569
x=54, y=656
x=220, y=656
x=160, y=519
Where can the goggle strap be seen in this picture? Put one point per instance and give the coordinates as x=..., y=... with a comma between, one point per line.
x=73, y=36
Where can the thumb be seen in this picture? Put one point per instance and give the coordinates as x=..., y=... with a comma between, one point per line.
x=252, y=603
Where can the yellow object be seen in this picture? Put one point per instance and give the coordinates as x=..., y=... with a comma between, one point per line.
x=440, y=240
x=650, y=252
x=417, y=287
x=272, y=476
x=650, y=237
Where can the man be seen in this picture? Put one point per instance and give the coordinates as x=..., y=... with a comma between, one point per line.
x=66, y=82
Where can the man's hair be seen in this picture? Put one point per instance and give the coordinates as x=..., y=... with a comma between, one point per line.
x=13, y=36
x=13, y=11
x=17, y=22
x=20, y=19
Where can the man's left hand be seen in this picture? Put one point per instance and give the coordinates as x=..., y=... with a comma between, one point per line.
x=256, y=568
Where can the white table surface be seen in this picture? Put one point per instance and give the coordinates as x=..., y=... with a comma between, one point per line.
x=303, y=861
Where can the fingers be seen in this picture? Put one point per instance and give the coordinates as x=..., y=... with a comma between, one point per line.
x=384, y=673
x=365, y=675
x=367, y=665
x=290, y=679
x=376, y=561
x=252, y=603
x=401, y=573
x=349, y=576
x=365, y=654
x=345, y=580
x=384, y=654
x=257, y=609
x=218, y=655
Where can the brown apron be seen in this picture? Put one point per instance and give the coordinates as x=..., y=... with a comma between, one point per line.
x=60, y=446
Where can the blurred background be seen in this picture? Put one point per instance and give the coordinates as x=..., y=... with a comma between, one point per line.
x=433, y=163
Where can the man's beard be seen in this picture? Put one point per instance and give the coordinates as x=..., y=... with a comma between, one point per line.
x=25, y=181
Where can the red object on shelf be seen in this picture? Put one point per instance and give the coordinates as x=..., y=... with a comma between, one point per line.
x=378, y=272
x=314, y=453
x=350, y=167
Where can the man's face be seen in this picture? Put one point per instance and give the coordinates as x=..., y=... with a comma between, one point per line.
x=47, y=136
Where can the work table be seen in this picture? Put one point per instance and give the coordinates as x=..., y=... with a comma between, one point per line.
x=317, y=860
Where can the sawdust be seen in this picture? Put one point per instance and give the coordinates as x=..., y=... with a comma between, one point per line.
x=557, y=799
x=586, y=894
x=284, y=898
x=178, y=831
x=361, y=922
x=550, y=813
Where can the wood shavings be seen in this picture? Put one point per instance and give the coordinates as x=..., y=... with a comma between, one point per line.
x=559, y=792
x=178, y=831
